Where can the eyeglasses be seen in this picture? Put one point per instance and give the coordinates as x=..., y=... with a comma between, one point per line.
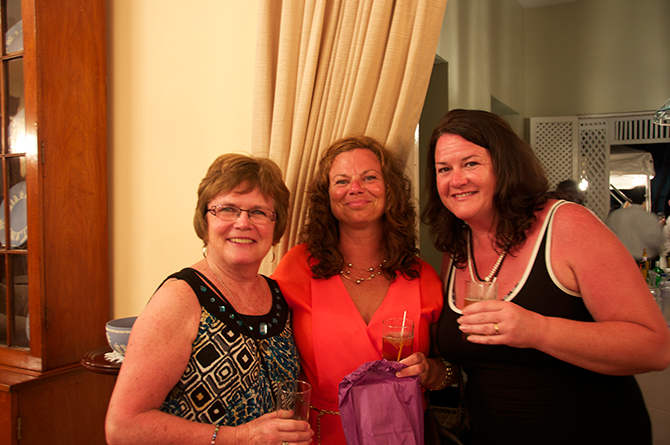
x=231, y=213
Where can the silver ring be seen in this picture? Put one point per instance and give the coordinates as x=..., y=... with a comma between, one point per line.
x=495, y=325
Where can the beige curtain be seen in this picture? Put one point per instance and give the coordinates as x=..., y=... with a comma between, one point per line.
x=327, y=69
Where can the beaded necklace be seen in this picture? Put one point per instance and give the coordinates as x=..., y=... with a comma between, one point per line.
x=261, y=344
x=493, y=275
x=359, y=280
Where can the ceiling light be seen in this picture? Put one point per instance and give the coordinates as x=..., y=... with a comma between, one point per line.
x=662, y=116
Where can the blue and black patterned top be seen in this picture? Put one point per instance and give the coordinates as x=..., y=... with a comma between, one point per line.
x=236, y=362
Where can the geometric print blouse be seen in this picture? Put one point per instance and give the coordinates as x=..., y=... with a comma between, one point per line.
x=237, y=361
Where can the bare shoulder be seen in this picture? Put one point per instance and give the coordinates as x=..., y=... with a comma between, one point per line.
x=574, y=221
x=159, y=348
x=571, y=209
x=582, y=246
x=172, y=311
x=175, y=293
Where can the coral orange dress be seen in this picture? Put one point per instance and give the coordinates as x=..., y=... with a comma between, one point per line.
x=333, y=339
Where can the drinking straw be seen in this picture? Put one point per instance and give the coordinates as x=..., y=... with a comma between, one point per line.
x=402, y=331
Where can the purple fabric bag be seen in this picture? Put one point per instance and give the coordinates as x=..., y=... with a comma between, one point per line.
x=377, y=408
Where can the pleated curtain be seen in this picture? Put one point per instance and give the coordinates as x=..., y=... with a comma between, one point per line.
x=327, y=69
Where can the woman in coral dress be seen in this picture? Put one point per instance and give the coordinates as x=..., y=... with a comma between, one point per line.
x=357, y=266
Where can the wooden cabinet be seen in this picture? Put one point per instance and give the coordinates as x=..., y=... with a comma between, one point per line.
x=65, y=406
x=54, y=267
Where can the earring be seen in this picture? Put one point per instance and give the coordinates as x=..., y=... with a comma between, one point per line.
x=273, y=256
x=204, y=251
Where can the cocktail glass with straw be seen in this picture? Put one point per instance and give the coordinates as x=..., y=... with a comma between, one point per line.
x=397, y=338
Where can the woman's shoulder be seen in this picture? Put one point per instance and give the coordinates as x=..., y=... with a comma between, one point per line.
x=564, y=213
x=426, y=270
x=579, y=234
x=174, y=299
x=293, y=266
x=297, y=256
x=299, y=250
x=431, y=286
x=293, y=274
x=570, y=215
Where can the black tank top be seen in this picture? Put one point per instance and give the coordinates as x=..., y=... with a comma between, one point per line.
x=524, y=396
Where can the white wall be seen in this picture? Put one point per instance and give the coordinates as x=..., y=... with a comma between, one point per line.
x=180, y=85
x=483, y=43
x=581, y=57
x=597, y=56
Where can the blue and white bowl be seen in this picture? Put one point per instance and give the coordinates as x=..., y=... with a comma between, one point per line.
x=118, y=332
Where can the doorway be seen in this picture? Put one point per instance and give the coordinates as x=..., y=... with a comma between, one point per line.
x=435, y=107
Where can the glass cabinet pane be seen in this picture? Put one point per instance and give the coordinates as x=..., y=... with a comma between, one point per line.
x=3, y=215
x=13, y=198
x=18, y=209
x=4, y=303
x=13, y=27
x=16, y=125
x=14, y=302
x=20, y=288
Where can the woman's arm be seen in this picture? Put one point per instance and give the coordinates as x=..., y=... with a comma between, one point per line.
x=629, y=335
x=158, y=352
x=434, y=372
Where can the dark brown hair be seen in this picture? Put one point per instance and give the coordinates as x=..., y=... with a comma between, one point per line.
x=521, y=183
x=230, y=170
x=321, y=231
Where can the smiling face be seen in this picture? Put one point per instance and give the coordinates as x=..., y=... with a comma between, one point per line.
x=356, y=188
x=240, y=242
x=465, y=179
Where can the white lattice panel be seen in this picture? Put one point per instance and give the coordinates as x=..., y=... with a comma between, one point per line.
x=595, y=133
x=554, y=141
x=594, y=165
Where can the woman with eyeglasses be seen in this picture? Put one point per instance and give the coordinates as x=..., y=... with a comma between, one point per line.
x=206, y=354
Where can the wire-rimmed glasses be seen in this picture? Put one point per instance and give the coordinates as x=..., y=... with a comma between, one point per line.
x=231, y=213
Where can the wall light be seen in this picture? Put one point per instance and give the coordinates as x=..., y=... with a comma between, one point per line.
x=583, y=184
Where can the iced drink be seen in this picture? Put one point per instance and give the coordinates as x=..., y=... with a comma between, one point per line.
x=397, y=338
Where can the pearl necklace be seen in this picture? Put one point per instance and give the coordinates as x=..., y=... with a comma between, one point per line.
x=494, y=272
x=359, y=280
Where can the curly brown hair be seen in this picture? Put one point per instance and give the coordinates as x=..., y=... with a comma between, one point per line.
x=321, y=231
x=232, y=169
x=521, y=183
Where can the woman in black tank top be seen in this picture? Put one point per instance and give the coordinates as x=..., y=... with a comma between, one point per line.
x=553, y=359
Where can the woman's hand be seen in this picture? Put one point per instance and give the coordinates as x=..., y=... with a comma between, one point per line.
x=502, y=323
x=431, y=371
x=270, y=429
